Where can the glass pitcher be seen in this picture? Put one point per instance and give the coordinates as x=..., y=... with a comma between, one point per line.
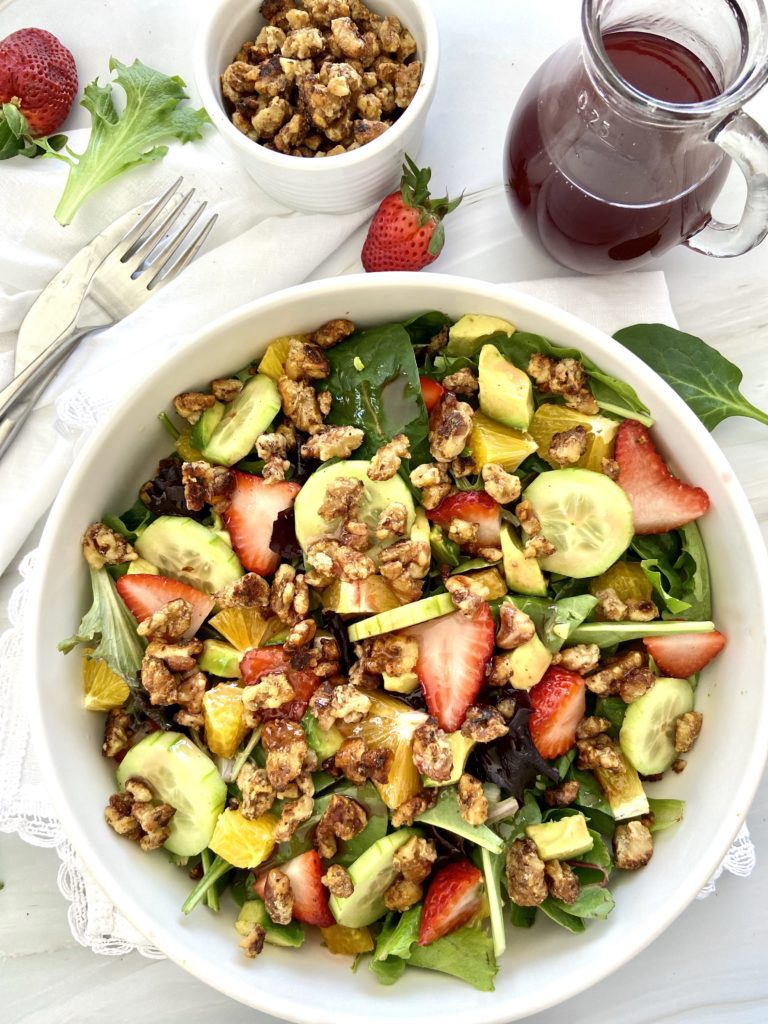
x=622, y=140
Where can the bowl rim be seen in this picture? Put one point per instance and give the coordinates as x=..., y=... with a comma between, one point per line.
x=270, y=1001
x=283, y=161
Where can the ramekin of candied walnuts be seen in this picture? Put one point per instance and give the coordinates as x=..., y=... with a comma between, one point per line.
x=319, y=98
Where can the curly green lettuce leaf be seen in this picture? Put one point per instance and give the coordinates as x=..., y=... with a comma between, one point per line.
x=594, y=901
x=466, y=954
x=118, y=141
x=112, y=628
x=16, y=138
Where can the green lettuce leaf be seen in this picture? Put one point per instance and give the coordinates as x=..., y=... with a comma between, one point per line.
x=666, y=813
x=446, y=814
x=109, y=625
x=593, y=901
x=119, y=141
x=493, y=869
x=466, y=954
x=555, y=620
x=554, y=911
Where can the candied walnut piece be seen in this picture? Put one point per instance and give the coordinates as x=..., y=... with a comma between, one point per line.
x=191, y=405
x=462, y=532
x=562, y=795
x=635, y=684
x=600, y=752
x=414, y=859
x=526, y=877
x=345, y=701
x=258, y=793
x=386, y=461
x=225, y=389
x=344, y=819
x=529, y=521
x=407, y=80
x=333, y=443
x=189, y=694
x=274, y=11
x=268, y=121
x=289, y=136
x=117, y=732
x=295, y=812
x=501, y=485
x=289, y=595
x=253, y=943
x=610, y=468
x=463, y=382
x=342, y=499
x=301, y=404
x=332, y=332
x=338, y=882
x=305, y=361
x=278, y=897
x=366, y=130
x=393, y=521
x=483, y=724
x=632, y=845
x=393, y=653
x=581, y=658
x=434, y=483
x=270, y=692
x=402, y=895
x=117, y=815
x=561, y=881
x=473, y=804
x=348, y=760
x=302, y=42
x=592, y=726
x=605, y=683
x=432, y=753
x=450, y=424
x=678, y=765
x=250, y=591
x=300, y=635
x=159, y=682
x=568, y=446
x=414, y=806
x=565, y=377
x=206, y=484
x=610, y=607
x=687, y=729
x=515, y=628
x=463, y=596
x=139, y=789
x=641, y=611
x=103, y=546
x=332, y=558
x=169, y=622
x=347, y=37
x=286, y=747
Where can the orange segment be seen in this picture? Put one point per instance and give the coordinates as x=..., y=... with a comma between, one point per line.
x=273, y=360
x=243, y=843
x=493, y=442
x=391, y=724
x=550, y=419
x=627, y=579
x=225, y=727
x=349, y=941
x=103, y=689
x=243, y=627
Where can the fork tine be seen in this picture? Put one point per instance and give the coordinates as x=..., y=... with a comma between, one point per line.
x=148, y=218
x=138, y=255
x=170, y=250
x=186, y=257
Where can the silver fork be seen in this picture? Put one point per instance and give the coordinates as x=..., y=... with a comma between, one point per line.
x=149, y=256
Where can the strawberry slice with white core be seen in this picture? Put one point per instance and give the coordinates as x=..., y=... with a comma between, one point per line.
x=146, y=593
x=558, y=706
x=660, y=502
x=473, y=507
x=453, y=653
x=310, y=897
x=250, y=517
x=684, y=654
x=455, y=895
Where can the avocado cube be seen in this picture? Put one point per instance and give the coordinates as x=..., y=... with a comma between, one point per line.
x=561, y=840
x=220, y=659
x=461, y=747
x=506, y=393
x=523, y=575
x=468, y=333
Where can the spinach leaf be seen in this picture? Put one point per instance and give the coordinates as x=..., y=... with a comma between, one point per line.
x=553, y=909
x=606, y=634
x=614, y=709
x=612, y=395
x=131, y=522
x=555, y=620
x=446, y=814
x=466, y=954
x=383, y=398
x=665, y=813
x=422, y=328
x=676, y=566
x=522, y=917
x=529, y=814
x=592, y=901
x=704, y=379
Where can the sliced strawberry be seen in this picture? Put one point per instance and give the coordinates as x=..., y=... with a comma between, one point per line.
x=660, y=502
x=250, y=517
x=474, y=507
x=259, y=660
x=145, y=593
x=455, y=895
x=431, y=392
x=684, y=654
x=310, y=897
x=453, y=653
x=558, y=706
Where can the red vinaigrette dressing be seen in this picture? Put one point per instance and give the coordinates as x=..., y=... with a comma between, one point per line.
x=575, y=225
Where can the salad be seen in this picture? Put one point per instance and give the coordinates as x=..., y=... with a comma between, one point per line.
x=395, y=641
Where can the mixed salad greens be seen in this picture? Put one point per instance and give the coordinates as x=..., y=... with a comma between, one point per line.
x=394, y=640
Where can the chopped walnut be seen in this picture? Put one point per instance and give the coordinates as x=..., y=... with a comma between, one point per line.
x=159, y=682
x=432, y=753
x=632, y=845
x=450, y=424
x=253, y=943
x=342, y=499
x=635, y=684
x=562, y=795
x=483, y=724
x=286, y=747
x=414, y=806
x=348, y=760
x=605, y=683
x=464, y=597
x=345, y=702
x=169, y=622
x=300, y=635
x=271, y=446
x=274, y=470
x=678, y=765
x=502, y=486
x=366, y=130
x=393, y=521
x=258, y=793
x=404, y=562
x=600, y=752
x=133, y=814
x=564, y=377
x=529, y=521
x=302, y=404
x=462, y=532
x=139, y=789
x=434, y=483
x=250, y=591
x=289, y=595
x=526, y=876
x=568, y=446
x=407, y=80
x=206, y=484
x=103, y=546
x=561, y=881
x=278, y=897
x=117, y=732
x=297, y=811
x=610, y=607
x=332, y=443
x=271, y=691
x=641, y=611
x=463, y=466
x=302, y=43
x=402, y=895
x=515, y=628
x=332, y=558
x=343, y=819
x=473, y=804
x=591, y=727
x=332, y=332
x=538, y=547
x=305, y=361
x=463, y=382
x=610, y=468
x=338, y=882
x=581, y=658
x=348, y=37
x=189, y=694
x=393, y=653
x=191, y=405
x=687, y=729
x=414, y=859
x=355, y=534
x=386, y=462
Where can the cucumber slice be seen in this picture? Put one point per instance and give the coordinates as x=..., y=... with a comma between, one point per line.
x=400, y=618
x=372, y=874
x=377, y=494
x=201, y=432
x=585, y=515
x=254, y=912
x=244, y=419
x=647, y=734
x=184, y=777
x=188, y=551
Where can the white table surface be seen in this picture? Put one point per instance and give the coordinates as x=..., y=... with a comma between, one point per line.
x=711, y=965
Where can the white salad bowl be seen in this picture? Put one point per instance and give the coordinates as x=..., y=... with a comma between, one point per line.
x=541, y=967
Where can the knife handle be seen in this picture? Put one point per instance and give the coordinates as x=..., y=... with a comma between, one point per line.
x=10, y=425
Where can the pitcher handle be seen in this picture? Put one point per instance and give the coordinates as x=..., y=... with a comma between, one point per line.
x=746, y=142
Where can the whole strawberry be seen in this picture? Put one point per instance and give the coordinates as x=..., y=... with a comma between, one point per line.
x=407, y=230
x=39, y=76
